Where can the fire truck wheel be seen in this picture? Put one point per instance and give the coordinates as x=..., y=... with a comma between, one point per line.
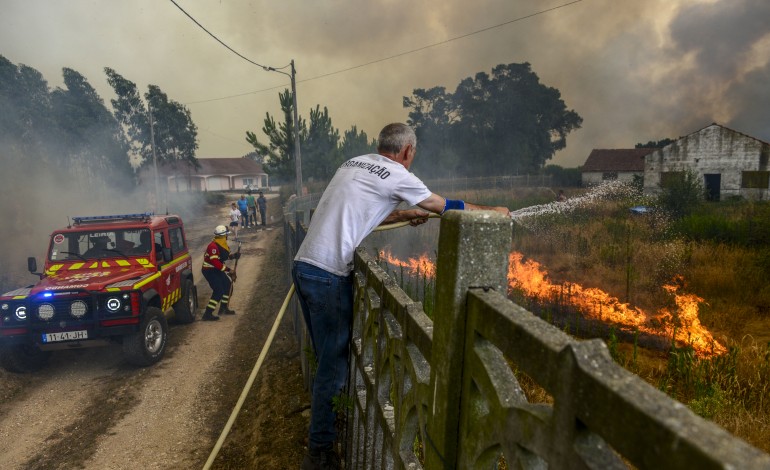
x=146, y=346
x=185, y=308
x=23, y=358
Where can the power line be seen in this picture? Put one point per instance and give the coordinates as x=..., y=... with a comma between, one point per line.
x=412, y=51
x=217, y=39
x=441, y=42
x=223, y=137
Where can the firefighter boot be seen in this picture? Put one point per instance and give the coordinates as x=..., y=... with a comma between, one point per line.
x=208, y=315
x=224, y=309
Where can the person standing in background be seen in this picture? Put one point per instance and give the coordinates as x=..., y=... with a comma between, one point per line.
x=252, y=208
x=262, y=202
x=243, y=206
x=235, y=215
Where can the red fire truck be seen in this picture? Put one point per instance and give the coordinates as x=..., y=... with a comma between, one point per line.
x=113, y=279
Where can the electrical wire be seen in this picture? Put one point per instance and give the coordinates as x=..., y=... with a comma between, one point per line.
x=400, y=54
x=216, y=38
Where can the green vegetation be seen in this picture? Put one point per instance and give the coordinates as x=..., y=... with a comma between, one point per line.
x=719, y=252
x=322, y=151
x=506, y=122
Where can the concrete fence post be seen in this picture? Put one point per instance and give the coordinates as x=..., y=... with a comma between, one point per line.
x=473, y=252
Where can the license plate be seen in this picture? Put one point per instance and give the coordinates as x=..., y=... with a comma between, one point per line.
x=65, y=336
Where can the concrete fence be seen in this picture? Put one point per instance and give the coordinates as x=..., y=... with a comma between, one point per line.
x=445, y=393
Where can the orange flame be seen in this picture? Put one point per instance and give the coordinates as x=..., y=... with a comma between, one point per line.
x=532, y=279
x=597, y=304
x=422, y=265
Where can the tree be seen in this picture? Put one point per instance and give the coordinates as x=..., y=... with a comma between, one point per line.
x=25, y=123
x=132, y=115
x=434, y=117
x=566, y=177
x=278, y=154
x=91, y=139
x=256, y=157
x=655, y=145
x=175, y=132
x=506, y=123
x=320, y=152
x=355, y=143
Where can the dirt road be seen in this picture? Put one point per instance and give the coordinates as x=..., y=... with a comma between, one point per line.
x=89, y=409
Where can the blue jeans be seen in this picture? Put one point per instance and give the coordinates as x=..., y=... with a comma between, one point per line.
x=327, y=306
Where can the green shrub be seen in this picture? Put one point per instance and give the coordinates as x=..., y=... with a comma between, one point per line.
x=682, y=193
x=707, y=227
x=215, y=198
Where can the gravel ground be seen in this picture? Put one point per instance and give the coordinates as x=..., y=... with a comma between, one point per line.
x=89, y=409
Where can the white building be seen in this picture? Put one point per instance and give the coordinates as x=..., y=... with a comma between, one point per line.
x=613, y=165
x=214, y=174
x=730, y=163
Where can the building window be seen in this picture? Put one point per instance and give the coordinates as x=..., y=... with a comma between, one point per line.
x=671, y=178
x=755, y=179
x=609, y=176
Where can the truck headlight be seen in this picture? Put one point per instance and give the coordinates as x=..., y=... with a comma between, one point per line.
x=78, y=308
x=113, y=304
x=45, y=311
x=21, y=313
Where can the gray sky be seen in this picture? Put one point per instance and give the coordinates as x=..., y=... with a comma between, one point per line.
x=634, y=70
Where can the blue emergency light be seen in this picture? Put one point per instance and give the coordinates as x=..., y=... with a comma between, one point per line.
x=101, y=218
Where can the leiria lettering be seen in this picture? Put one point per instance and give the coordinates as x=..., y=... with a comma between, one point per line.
x=373, y=169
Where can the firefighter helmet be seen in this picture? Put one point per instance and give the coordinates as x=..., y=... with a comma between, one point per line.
x=221, y=230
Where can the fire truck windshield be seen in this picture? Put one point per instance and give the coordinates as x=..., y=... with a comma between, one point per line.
x=85, y=245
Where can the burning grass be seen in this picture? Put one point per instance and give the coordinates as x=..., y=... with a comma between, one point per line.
x=688, y=313
x=633, y=258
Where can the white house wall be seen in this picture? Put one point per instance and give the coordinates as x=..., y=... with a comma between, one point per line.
x=217, y=183
x=712, y=150
x=590, y=178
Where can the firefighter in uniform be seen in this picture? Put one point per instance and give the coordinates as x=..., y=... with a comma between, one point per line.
x=218, y=275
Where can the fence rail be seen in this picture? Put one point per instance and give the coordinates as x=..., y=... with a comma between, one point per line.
x=444, y=393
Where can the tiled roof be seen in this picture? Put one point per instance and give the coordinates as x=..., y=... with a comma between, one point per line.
x=216, y=166
x=616, y=159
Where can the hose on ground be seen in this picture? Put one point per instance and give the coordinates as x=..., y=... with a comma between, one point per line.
x=261, y=359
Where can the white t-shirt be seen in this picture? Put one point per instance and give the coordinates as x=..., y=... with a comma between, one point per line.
x=235, y=214
x=362, y=193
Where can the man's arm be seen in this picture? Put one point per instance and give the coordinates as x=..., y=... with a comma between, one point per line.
x=436, y=204
x=413, y=216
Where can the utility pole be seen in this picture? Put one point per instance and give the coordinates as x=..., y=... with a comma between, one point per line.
x=154, y=157
x=297, y=153
x=297, y=156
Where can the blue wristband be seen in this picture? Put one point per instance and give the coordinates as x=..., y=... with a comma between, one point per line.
x=453, y=204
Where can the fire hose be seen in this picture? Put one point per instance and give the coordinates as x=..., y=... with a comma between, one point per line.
x=261, y=358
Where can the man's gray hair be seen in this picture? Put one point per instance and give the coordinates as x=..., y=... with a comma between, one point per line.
x=395, y=137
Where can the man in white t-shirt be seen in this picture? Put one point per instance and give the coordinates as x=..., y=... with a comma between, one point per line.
x=363, y=194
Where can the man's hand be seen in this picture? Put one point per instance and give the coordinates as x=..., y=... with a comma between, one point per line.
x=236, y=255
x=415, y=216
